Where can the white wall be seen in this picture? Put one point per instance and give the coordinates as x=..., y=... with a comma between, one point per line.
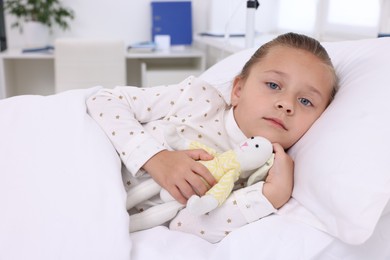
x=129, y=20
x=229, y=16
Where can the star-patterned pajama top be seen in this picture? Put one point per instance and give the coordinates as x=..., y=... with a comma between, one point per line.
x=134, y=118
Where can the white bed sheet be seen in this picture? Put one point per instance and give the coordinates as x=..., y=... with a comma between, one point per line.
x=275, y=237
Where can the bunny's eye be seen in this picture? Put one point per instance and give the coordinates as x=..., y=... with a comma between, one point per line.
x=257, y=146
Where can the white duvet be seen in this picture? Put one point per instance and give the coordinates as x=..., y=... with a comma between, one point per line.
x=61, y=194
x=62, y=197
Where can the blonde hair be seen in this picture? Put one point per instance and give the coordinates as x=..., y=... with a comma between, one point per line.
x=297, y=41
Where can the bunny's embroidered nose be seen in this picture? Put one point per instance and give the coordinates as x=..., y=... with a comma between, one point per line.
x=244, y=144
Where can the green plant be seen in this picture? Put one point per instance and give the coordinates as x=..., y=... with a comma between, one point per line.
x=47, y=12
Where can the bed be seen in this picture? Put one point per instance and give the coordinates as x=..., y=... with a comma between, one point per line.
x=62, y=197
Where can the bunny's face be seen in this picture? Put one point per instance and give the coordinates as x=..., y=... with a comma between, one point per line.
x=254, y=152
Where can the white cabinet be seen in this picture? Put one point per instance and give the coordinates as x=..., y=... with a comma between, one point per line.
x=26, y=74
x=157, y=68
x=33, y=73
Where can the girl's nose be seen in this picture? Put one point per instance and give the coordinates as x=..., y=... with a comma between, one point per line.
x=287, y=106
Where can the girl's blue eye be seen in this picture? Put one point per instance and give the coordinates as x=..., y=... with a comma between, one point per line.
x=272, y=85
x=305, y=102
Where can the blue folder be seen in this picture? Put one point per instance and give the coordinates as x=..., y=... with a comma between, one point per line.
x=174, y=19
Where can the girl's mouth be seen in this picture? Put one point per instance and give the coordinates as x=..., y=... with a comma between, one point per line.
x=277, y=122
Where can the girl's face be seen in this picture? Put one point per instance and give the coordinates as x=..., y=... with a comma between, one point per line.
x=283, y=95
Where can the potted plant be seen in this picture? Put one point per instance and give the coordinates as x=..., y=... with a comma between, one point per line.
x=41, y=15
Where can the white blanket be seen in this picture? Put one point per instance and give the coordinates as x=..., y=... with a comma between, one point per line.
x=61, y=197
x=61, y=194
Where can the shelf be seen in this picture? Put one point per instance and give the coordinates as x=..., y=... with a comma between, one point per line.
x=33, y=73
x=170, y=70
x=20, y=76
x=184, y=52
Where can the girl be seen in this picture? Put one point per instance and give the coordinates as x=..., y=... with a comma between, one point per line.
x=283, y=88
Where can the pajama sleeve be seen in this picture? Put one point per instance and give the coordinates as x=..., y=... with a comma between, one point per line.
x=252, y=203
x=242, y=207
x=122, y=112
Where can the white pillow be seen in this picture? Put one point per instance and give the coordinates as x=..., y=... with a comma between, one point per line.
x=342, y=167
x=61, y=192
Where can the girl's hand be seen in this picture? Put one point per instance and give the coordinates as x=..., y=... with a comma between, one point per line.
x=180, y=174
x=279, y=183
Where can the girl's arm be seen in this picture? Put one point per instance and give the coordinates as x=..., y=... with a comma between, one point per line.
x=122, y=111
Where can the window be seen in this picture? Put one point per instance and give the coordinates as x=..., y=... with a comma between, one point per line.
x=352, y=18
x=327, y=19
x=323, y=19
x=297, y=15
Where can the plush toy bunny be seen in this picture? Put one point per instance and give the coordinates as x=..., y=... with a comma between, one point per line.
x=226, y=168
x=253, y=154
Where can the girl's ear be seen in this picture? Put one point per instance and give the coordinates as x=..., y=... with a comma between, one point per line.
x=236, y=90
